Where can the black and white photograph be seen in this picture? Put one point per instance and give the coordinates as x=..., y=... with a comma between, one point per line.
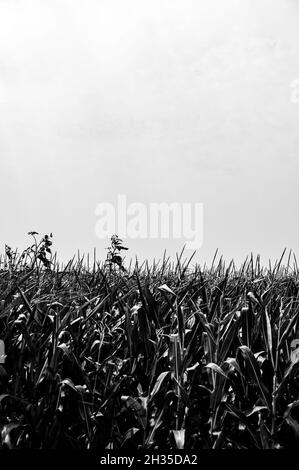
x=149, y=283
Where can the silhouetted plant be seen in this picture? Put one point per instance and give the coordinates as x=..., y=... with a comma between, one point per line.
x=29, y=257
x=113, y=255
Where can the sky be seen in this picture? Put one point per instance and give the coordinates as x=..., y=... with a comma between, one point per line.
x=186, y=101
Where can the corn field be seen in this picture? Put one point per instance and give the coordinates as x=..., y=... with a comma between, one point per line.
x=151, y=357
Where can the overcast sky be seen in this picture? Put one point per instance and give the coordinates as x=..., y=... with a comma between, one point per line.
x=159, y=100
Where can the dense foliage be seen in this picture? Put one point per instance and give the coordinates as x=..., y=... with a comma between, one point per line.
x=161, y=356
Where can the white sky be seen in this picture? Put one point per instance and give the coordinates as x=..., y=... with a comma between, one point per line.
x=161, y=100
